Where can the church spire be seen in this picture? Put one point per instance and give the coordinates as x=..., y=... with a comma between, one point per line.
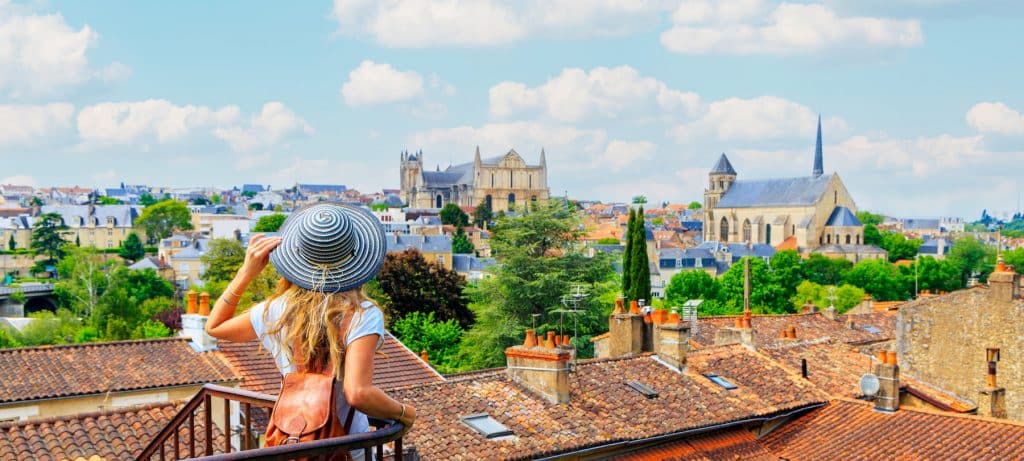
x=819, y=168
x=543, y=160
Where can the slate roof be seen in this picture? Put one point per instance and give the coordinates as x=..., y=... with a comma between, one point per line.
x=322, y=188
x=849, y=249
x=423, y=243
x=803, y=191
x=723, y=166
x=842, y=217
x=468, y=263
x=852, y=430
x=253, y=188
x=739, y=250
x=149, y=262
x=78, y=215
x=110, y=434
x=32, y=373
x=603, y=408
x=921, y=224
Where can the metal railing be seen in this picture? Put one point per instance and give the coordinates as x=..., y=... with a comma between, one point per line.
x=179, y=438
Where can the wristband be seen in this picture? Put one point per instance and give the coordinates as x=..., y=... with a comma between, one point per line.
x=402, y=416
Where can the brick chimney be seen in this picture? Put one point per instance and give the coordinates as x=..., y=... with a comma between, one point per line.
x=672, y=341
x=888, y=397
x=1003, y=283
x=743, y=332
x=193, y=324
x=541, y=368
x=626, y=330
x=992, y=398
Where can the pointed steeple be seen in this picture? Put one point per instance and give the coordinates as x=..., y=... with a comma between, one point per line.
x=723, y=166
x=543, y=159
x=819, y=168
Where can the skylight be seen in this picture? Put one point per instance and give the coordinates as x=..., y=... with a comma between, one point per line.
x=721, y=381
x=487, y=426
x=643, y=389
x=871, y=329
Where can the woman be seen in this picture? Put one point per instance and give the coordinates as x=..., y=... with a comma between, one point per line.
x=324, y=253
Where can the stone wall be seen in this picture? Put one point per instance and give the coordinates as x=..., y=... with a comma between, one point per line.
x=942, y=341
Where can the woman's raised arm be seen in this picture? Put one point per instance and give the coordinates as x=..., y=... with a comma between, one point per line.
x=222, y=323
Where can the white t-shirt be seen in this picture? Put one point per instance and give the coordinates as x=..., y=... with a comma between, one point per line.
x=367, y=321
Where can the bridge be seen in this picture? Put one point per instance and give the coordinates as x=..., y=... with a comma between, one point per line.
x=38, y=297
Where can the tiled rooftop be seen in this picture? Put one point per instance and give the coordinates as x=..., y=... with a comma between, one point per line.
x=602, y=409
x=728, y=444
x=111, y=435
x=31, y=373
x=808, y=326
x=853, y=430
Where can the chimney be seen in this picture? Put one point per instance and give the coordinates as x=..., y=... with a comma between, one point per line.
x=888, y=397
x=193, y=325
x=743, y=332
x=1003, y=283
x=992, y=398
x=809, y=307
x=543, y=369
x=672, y=341
x=648, y=333
x=423, y=355
x=626, y=330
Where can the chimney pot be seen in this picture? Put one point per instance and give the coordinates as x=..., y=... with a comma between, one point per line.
x=739, y=322
x=550, y=343
x=792, y=332
x=423, y=355
x=882, y=357
x=531, y=339
x=191, y=303
x=890, y=357
x=634, y=307
x=566, y=341
x=204, y=304
x=648, y=318
x=674, y=317
x=784, y=334
x=618, y=306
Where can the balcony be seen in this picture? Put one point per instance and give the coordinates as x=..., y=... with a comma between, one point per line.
x=222, y=423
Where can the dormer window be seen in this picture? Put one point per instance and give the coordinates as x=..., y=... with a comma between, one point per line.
x=487, y=426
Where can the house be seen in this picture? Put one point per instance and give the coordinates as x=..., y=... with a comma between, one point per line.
x=184, y=253
x=434, y=248
x=100, y=226
x=471, y=267
x=937, y=248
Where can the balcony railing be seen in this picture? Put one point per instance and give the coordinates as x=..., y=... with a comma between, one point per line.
x=218, y=441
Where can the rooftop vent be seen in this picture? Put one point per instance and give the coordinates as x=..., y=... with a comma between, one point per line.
x=721, y=381
x=487, y=426
x=871, y=329
x=643, y=389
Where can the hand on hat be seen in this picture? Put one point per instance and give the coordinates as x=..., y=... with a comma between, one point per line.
x=258, y=254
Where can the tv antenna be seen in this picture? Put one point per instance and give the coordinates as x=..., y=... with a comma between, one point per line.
x=832, y=297
x=572, y=303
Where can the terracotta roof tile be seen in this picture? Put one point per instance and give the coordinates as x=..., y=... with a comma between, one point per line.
x=111, y=434
x=788, y=244
x=852, y=430
x=808, y=326
x=834, y=367
x=58, y=371
x=728, y=444
x=603, y=408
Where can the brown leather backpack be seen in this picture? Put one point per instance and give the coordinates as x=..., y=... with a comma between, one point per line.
x=306, y=409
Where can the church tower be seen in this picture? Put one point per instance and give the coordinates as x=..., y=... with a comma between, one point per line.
x=411, y=167
x=818, y=163
x=720, y=178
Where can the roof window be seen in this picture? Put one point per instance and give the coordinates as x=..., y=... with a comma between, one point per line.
x=487, y=426
x=721, y=381
x=871, y=329
x=643, y=389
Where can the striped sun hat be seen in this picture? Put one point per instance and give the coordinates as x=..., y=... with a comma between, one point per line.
x=330, y=248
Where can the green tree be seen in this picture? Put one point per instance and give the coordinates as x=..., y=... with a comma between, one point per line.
x=120, y=310
x=482, y=214
x=936, y=275
x=84, y=277
x=452, y=215
x=690, y=284
x=146, y=199
x=871, y=235
x=846, y=296
x=48, y=236
x=50, y=328
x=608, y=241
x=824, y=270
x=1013, y=257
x=968, y=255
x=17, y=296
x=11, y=244
x=269, y=223
x=868, y=218
x=695, y=205
x=200, y=201
x=132, y=249
x=256, y=206
x=900, y=247
x=152, y=329
x=461, y=243
x=161, y=219
x=8, y=338
x=110, y=201
x=216, y=199
x=222, y=259
x=627, y=255
x=881, y=279
x=765, y=293
x=787, y=271
x=421, y=332
x=539, y=263
x=640, y=264
x=412, y=284
x=639, y=199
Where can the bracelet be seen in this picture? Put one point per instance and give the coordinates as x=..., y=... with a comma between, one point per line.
x=402, y=416
x=232, y=292
x=225, y=300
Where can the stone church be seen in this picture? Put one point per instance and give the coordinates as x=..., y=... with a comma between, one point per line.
x=809, y=214
x=503, y=182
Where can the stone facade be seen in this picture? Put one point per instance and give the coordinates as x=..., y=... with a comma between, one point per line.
x=504, y=181
x=943, y=340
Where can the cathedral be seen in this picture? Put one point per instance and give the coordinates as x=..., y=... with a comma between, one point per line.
x=501, y=182
x=810, y=214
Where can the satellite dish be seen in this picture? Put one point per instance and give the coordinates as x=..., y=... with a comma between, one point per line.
x=869, y=384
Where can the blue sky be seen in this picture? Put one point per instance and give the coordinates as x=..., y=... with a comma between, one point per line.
x=920, y=99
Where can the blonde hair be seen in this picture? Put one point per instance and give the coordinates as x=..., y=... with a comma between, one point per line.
x=312, y=323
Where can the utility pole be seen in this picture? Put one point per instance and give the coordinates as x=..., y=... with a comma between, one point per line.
x=746, y=285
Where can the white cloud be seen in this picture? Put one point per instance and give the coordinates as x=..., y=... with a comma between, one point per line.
x=19, y=180
x=274, y=123
x=28, y=124
x=249, y=162
x=620, y=154
x=42, y=55
x=373, y=83
x=576, y=94
x=995, y=117
x=761, y=118
x=756, y=27
x=424, y=23
x=126, y=122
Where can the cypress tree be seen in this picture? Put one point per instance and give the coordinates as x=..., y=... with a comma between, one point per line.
x=641, y=269
x=627, y=256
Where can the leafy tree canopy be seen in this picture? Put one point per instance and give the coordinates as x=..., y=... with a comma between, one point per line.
x=695, y=205
x=421, y=332
x=131, y=248
x=222, y=259
x=161, y=219
x=269, y=223
x=461, y=243
x=412, y=284
x=452, y=215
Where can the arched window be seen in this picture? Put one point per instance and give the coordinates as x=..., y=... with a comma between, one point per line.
x=835, y=197
x=847, y=239
x=721, y=185
x=858, y=239
x=511, y=201
x=492, y=179
x=829, y=239
x=438, y=201
x=510, y=181
x=531, y=181
x=533, y=198
x=746, y=230
x=723, y=231
x=489, y=202
x=793, y=231
x=768, y=233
